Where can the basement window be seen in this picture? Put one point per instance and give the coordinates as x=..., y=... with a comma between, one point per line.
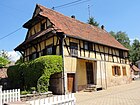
x=116, y=71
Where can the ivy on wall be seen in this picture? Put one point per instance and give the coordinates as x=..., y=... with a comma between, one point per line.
x=35, y=73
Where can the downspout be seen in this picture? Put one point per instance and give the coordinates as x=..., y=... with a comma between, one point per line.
x=62, y=37
x=101, y=74
x=105, y=74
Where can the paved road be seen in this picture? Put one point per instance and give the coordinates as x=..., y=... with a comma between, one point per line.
x=128, y=94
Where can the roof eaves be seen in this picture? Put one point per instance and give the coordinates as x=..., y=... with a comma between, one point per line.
x=77, y=37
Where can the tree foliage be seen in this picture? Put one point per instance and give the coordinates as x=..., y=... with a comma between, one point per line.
x=122, y=37
x=19, y=61
x=3, y=62
x=135, y=51
x=4, y=54
x=92, y=21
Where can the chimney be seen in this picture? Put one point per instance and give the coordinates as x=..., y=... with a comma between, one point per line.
x=102, y=27
x=73, y=16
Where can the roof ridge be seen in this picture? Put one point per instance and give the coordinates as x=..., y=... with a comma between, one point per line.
x=76, y=28
x=67, y=16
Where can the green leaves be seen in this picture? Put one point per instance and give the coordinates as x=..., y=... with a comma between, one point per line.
x=92, y=21
x=121, y=37
x=3, y=62
x=135, y=51
x=36, y=73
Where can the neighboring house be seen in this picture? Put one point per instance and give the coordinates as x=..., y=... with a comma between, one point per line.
x=135, y=72
x=91, y=55
x=3, y=77
x=138, y=62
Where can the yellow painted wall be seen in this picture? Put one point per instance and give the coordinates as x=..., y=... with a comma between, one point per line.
x=37, y=27
x=81, y=72
x=104, y=69
x=70, y=64
x=85, y=53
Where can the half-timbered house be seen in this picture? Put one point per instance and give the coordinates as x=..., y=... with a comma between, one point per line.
x=91, y=55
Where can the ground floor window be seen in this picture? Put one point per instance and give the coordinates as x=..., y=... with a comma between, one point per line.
x=116, y=71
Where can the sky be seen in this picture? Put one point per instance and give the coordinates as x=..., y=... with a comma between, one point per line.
x=115, y=15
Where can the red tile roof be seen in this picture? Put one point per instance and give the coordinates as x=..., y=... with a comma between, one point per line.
x=3, y=73
x=79, y=29
x=75, y=28
x=135, y=68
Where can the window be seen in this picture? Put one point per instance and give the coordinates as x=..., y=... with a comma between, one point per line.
x=116, y=71
x=33, y=56
x=50, y=50
x=121, y=54
x=73, y=49
x=88, y=46
x=124, y=70
x=43, y=26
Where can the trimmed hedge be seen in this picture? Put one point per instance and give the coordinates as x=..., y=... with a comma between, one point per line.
x=35, y=73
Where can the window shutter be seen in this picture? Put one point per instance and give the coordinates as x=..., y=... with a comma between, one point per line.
x=124, y=71
x=113, y=72
x=119, y=70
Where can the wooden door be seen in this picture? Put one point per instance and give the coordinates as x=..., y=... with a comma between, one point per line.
x=89, y=69
x=70, y=82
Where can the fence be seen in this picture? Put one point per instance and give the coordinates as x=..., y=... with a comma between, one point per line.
x=9, y=95
x=67, y=99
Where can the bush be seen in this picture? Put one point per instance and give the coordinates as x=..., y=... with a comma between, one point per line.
x=35, y=73
x=24, y=92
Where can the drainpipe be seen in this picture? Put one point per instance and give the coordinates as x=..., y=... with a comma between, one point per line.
x=101, y=73
x=62, y=37
x=105, y=74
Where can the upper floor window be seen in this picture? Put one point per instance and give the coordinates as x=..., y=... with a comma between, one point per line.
x=33, y=56
x=43, y=26
x=73, y=49
x=49, y=50
x=121, y=53
x=116, y=71
x=88, y=46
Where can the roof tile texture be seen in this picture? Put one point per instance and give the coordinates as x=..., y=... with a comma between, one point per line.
x=73, y=27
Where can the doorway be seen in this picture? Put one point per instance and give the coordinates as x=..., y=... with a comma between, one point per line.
x=71, y=82
x=89, y=71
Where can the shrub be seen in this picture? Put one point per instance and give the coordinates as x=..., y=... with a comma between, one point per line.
x=24, y=92
x=35, y=73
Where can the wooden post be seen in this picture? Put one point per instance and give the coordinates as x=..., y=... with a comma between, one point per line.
x=0, y=95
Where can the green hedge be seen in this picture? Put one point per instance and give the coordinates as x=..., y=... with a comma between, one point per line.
x=35, y=73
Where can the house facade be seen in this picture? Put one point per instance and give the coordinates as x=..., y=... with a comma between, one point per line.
x=91, y=56
x=138, y=63
x=135, y=72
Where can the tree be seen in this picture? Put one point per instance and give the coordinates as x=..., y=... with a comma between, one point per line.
x=135, y=51
x=4, y=54
x=92, y=21
x=3, y=62
x=19, y=61
x=121, y=37
x=4, y=58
